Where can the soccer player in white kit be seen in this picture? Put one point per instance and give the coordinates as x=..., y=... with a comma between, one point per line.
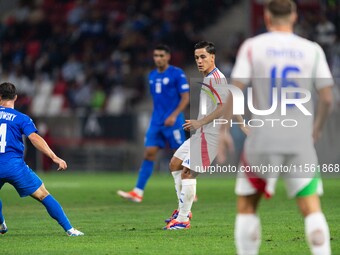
x=198, y=152
x=283, y=61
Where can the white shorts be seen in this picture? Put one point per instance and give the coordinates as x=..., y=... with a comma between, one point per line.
x=292, y=167
x=198, y=152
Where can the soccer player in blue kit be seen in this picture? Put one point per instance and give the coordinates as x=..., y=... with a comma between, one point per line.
x=170, y=92
x=13, y=170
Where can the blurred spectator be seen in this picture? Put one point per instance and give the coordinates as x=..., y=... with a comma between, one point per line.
x=98, y=98
x=108, y=41
x=72, y=68
x=325, y=33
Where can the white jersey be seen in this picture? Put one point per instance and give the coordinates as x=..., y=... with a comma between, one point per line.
x=213, y=92
x=281, y=60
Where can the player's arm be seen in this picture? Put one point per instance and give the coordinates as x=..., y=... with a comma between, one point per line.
x=183, y=103
x=238, y=118
x=323, y=110
x=225, y=140
x=196, y=124
x=42, y=146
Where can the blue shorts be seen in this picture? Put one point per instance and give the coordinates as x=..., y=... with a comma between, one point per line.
x=18, y=174
x=159, y=135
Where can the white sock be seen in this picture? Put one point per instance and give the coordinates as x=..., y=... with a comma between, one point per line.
x=178, y=183
x=247, y=234
x=317, y=234
x=188, y=193
x=138, y=191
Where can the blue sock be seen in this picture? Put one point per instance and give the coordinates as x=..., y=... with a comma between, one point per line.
x=55, y=210
x=144, y=173
x=2, y=219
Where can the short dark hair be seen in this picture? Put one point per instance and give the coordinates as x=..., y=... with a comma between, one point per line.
x=7, y=91
x=164, y=47
x=209, y=46
x=279, y=8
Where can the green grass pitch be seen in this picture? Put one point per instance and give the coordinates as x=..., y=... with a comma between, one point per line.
x=114, y=226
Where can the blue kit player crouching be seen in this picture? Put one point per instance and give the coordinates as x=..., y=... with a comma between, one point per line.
x=13, y=170
x=170, y=93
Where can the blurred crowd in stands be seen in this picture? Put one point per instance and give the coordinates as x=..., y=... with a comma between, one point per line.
x=80, y=55
x=88, y=50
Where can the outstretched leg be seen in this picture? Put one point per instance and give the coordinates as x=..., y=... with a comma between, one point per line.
x=145, y=172
x=55, y=210
x=3, y=227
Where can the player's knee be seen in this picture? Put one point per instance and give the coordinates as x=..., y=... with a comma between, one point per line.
x=40, y=193
x=317, y=237
x=188, y=174
x=150, y=155
x=174, y=165
x=246, y=205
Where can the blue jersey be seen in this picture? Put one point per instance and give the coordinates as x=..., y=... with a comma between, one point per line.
x=13, y=125
x=166, y=89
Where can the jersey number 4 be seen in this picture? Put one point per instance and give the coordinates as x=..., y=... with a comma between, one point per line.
x=3, y=131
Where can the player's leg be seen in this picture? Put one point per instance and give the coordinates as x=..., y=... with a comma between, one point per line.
x=27, y=183
x=55, y=210
x=153, y=142
x=145, y=172
x=146, y=169
x=249, y=189
x=188, y=192
x=176, y=167
x=3, y=227
x=175, y=136
x=2, y=219
x=247, y=225
x=198, y=151
x=306, y=189
x=316, y=227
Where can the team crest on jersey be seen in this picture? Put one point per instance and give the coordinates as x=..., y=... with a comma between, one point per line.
x=166, y=80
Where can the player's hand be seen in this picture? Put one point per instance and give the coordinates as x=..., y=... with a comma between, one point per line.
x=191, y=124
x=61, y=164
x=170, y=121
x=225, y=145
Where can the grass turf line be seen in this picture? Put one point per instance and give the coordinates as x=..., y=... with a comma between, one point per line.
x=115, y=226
